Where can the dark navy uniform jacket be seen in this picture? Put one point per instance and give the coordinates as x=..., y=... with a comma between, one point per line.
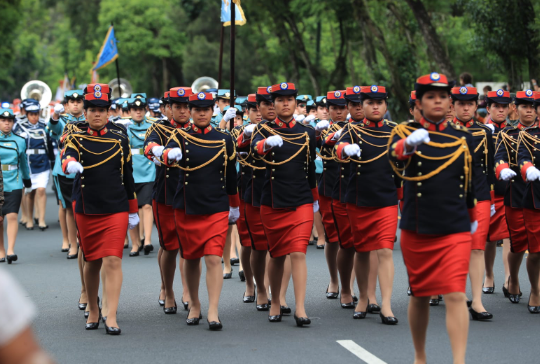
x=370, y=184
x=106, y=185
x=291, y=184
x=499, y=186
x=212, y=188
x=441, y=204
x=254, y=177
x=331, y=167
x=39, y=146
x=166, y=177
x=529, y=156
x=506, y=157
x=244, y=170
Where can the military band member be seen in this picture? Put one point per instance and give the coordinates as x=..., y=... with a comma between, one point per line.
x=104, y=200
x=15, y=176
x=154, y=108
x=321, y=113
x=438, y=212
x=220, y=118
x=289, y=195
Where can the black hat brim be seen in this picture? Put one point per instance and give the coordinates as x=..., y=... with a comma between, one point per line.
x=422, y=89
x=498, y=100
x=284, y=93
x=202, y=103
x=353, y=98
x=178, y=100
x=466, y=97
x=96, y=103
x=336, y=102
x=260, y=98
x=522, y=101
x=374, y=96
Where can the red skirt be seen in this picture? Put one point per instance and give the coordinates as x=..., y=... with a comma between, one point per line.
x=166, y=225
x=101, y=236
x=436, y=264
x=343, y=224
x=498, y=229
x=479, y=238
x=325, y=207
x=256, y=228
x=243, y=232
x=201, y=235
x=287, y=230
x=516, y=226
x=373, y=228
x=532, y=225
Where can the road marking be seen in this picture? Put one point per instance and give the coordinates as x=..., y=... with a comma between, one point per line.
x=360, y=352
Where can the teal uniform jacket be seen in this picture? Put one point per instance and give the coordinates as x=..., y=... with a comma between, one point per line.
x=144, y=170
x=13, y=158
x=56, y=131
x=216, y=119
x=318, y=161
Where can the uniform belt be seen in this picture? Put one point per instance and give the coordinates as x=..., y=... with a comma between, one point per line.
x=36, y=151
x=9, y=167
x=137, y=151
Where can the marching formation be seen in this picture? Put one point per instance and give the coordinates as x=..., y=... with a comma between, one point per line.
x=285, y=171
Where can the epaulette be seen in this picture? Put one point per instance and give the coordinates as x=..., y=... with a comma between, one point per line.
x=224, y=131
x=151, y=119
x=306, y=125
x=119, y=126
x=390, y=123
x=459, y=127
x=482, y=126
x=119, y=132
x=187, y=128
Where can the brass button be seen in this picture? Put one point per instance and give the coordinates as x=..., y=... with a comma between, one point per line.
x=461, y=177
x=342, y=176
x=419, y=194
x=167, y=176
x=221, y=179
x=82, y=177
x=187, y=151
x=222, y=187
x=419, y=184
x=82, y=186
x=342, y=168
x=187, y=174
x=272, y=177
x=358, y=173
x=460, y=186
x=185, y=183
x=187, y=159
x=419, y=164
x=167, y=168
x=419, y=173
x=460, y=196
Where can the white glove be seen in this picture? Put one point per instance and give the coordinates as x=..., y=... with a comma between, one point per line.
x=322, y=125
x=315, y=206
x=234, y=214
x=533, y=174
x=299, y=118
x=175, y=154
x=352, y=150
x=216, y=110
x=507, y=174
x=309, y=119
x=229, y=114
x=158, y=150
x=58, y=109
x=273, y=141
x=474, y=226
x=156, y=161
x=349, y=116
x=248, y=130
x=418, y=137
x=493, y=211
x=337, y=134
x=74, y=167
x=133, y=220
x=492, y=127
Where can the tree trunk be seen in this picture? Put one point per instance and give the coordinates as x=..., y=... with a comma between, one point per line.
x=533, y=44
x=435, y=47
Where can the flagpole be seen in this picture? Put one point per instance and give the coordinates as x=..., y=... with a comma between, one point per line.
x=220, y=54
x=233, y=23
x=117, y=73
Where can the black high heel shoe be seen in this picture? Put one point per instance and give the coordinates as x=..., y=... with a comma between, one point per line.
x=320, y=246
x=514, y=298
x=532, y=309
x=347, y=304
x=355, y=299
x=112, y=330
x=358, y=315
x=93, y=325
x=409, y=291
x=488, y=290
x=87, y=313
x=170, y=310
x=469, y=303
x=242, y=276
x=388, y=320
x=248, y=299
x=285, y=310
x=29, y=228
x=193, y=321
x=434, y=302
x=228, y=275
x=373, y=308
x=82, y=306
x=12, y=258
x=148, y=248
x=276, y=318
x=234, y=261
x=263, y=307
x=43, y=228
x=2, y=260
x=215, y=325
x=301, y=321
x=73, y=256
x=64, y=250
x=134, y=254
x=161, y=301
x=185, y=303
x=331, y=295
x=480, y=316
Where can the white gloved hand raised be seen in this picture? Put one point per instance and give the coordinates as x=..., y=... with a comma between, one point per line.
x=158, y=150
x=229, y=114
x=352, y=150
x=322, y=125
x=507, y=174
x=133, y=220
x=74, y=167
x=418, y=137
x=493, y=211
x=337, y=134
x=309, y=119
x=474, y=226
x=299, y=118
x=58, y=109
x=234, y=214
x=315, y=206
x=216, y=110
x=273, y=141
x=175, y=155
x=533, y=174
x=248, y=130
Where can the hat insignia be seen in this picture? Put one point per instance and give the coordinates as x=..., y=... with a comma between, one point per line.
x=283, y=86
x=374, y=89
x=97, y=88
x=75, y=95
x=181, y=92
x=337, y=94
x=6, y=113
x=305, y=97
x=500, y=92
x=201, y=96
x=324, y=100
x=356, y=89
x=227, y=94
x=435, y=76
x=97, y=94
x=269, y=89
x=138, y=103
x=529, y=93
x=463, y=90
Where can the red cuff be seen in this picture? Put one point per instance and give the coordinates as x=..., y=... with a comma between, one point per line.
x=399, y=150
x=242, y=143
x=148, y=149
x=329, y=140
x=400, y=193
x=315, y=193
x=472, y=214
x=492, y=194
x=526, y=166
x=339, y=151
x=260, y=147
x=234, y=200
x=65, y=163
x=500, y=168
x=133, y=206
x=165, y=157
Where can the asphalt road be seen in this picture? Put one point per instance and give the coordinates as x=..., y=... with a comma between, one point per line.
x=150, y=336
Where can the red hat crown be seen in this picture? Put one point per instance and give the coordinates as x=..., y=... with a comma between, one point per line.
x=498, y=93
x=335, y=95
x=252, y=98
x=433, y=79
x=463, y=90
x=179, y=92
x=200, y=96
x=283, y=86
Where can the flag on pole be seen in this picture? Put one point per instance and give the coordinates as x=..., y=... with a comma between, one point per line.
x=239, y=17
x=108, y=52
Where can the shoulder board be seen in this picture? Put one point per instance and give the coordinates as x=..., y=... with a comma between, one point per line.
x=151, y=120
x=458, y=127
x=119, y=127
x=306, y=125
x=224, y=131
x=188, y=127
x=390, y=123
x=119, y=132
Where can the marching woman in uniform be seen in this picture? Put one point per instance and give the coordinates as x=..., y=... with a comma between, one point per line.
x=527, y=154
x=144, y=174
x=163, y=195
x=16, y=176
x=371, y=197
x=289, y=195
x=465, y=101
x=206, y=200
x=104, y=200
x=507, y=169
x=438, y=212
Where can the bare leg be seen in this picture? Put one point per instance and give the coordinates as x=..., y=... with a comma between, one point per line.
x=84, y=295
x=476, y=272
x=331, y=251
x=505, y=254
x=418, y=314
x=514, y=263
x=258, y=267
x=113, y=277
x=214, y=283
x=245, y=257
x=275, y=275
x=148, y=221
x=72, y=231
x=30, y=199
x=286, y=278
x=266, y=278
x=299, y=275
x=168, y=267
x=386, y=279
x=238, y=246
x=372, y=279
x=24, y=210
x=41, y=204
x=234, y=239
x=361, y=267
x=192, y=272
x=91, y=277
x=345, y=265
x=185, y=292
x=12, y=230
x=135, y=239
x=457, y=324
x=140, y=230
x=104, y=300
x=489, y=261
x=63, y=226
x=2, y=249
x=227, y=251
x=162, y=288
x=533, y=268
x=353, y=276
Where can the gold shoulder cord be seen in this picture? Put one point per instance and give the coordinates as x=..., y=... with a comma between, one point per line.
x=483, y=143
x=372, y=133
x=287, y=138
x=244, y=161
x=511, y=146
x=529, y=141
x=162, y=131
x=403, y=131
x=74, y=142
x=333, y=129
